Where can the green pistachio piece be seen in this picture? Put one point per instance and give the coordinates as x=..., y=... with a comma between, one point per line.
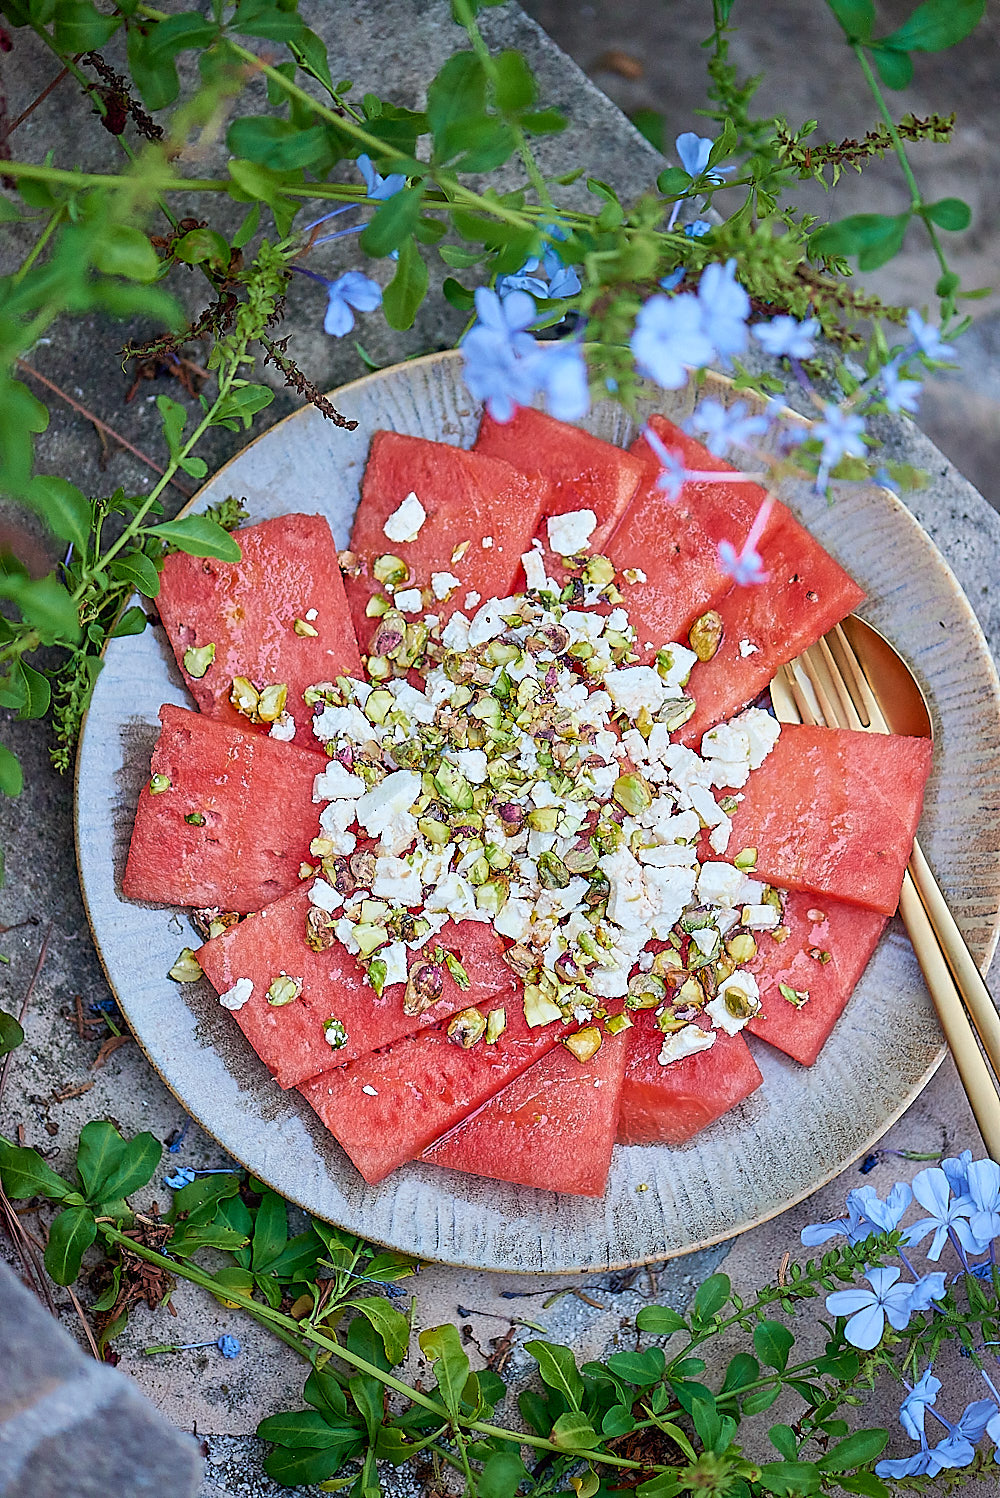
x=198, y=659
x=158, y=784
x=187, y=968
x=632, y=794
x=284, y=990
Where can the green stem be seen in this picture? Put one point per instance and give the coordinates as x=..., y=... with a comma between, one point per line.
x=41, y=173
x=54, y=221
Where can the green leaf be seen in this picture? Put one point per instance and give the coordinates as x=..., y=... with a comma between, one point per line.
x=137, y=569
x=949, y=213
x=458, y=295
x=181, y=33
x=279, y=144
x=618, y=1421
x=640, y=1368
x=11, y=774
x=99, y=1154
x=789, y=1479
x=544, y=122
x=132, y=622
x=134, y=1169
x=857, y=1451
x=935, y=25
x=760, y=1400
x=43, y=602
x=857, y=17
x=62, y=506
x=263, y=18
x=199, y=537
x=873, y=237
x=295, y=1468
x=865, y=1483
x=202, y=1194
x=270, y=1233
x=574, y=1432
x=502, y=1473
x=451, y=1366
x=202, y=246
x=241, y=404
x=24, y=1173
x=894, y=68
x=784, y=1440
x=407, y=288
x=392, y=1326
x=456, y=101
x=37, y=692
x=324, y=1393
x=304, y=1428
x=712, y=1296
x=11, y=1034
x=367, y=1395
x=947, y=284
x=741, y=1370
x=772, y=1343
x=72, y=1232
x=393, y=222
x=557, y=1365
x=513, y=83
x=79, y=26
x=124, y=251
x=659, y=1321
x=248, y=228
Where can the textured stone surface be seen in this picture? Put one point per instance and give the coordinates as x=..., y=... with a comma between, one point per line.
x=397, y=45
x=74, y=1427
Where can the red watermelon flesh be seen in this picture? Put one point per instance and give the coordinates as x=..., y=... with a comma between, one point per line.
x=586, y=473
x=834, y=812
x=290, y=1039
x=552, y=1128
x=255, y=796
x=670, y=1104
x=387, y=1108
x=818, y=925
x=468, y=498
x=248, y=609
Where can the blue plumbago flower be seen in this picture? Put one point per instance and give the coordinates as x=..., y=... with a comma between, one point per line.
x=993, y=1431
x=784, y=335
x=853, y=1227
x=671, y=282
x=182, y=1176
x=928, y=1288
x=724, y=427
x=975, y=1418
x=698, y=228
x=841, y=434
x=523, y=280
x=868, y=1310
x=693, y=152
x=673, y=475
x=563, y=280
x=499, y=353
x=352, y=292
x=883, y=1215
x=725, y=308
x=884, y=477
x=900, y=394
x=228, y=1346
x=177, y=1137
x=376, y=185
x=927, y=337
x=669, y=335
x=561, y=371
x=913, y=1408
x=984, y=1195
x=932, y=1191
x=746, y=567
x=956, y=1168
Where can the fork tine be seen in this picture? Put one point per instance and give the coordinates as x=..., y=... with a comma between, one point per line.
x=806, y=704
x=856, y=680
x=815, y=671
x=850, y=714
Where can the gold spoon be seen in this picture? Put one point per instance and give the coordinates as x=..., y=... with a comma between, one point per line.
x=854, y=678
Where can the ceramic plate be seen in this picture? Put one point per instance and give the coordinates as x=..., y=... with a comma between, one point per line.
x=802, y=1126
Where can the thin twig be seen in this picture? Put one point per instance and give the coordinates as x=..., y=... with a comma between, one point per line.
x=38, y=100
x=22, y=1241
x=26, y=1001
x=84, y=1322
x=101, y=426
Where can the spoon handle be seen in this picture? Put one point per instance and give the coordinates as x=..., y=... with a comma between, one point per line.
x=968, y=979
x=980, y=1086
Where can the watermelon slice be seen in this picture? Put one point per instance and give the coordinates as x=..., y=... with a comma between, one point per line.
x=248, y=611
x=826, y=951
x=834, y=812
x=805, y=594
x=553, y=1128
x=670, y=1104
x=470, y=500
x=290, y=1039
x=586, y=473
x=233, y=822
x=387, y=1108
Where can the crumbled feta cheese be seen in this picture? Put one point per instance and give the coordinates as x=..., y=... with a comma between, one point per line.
x=236, y=997
x=487, y=543
x=414, y=703
x=444, y=584
x=569, y=533
x=283, y=729
x=394, y=957
x=455, y=895
x=455, y=635
x=632, y=688
x=337, y=784
x=311, y=614
x=686, y=1042
x=384, y=810
x=472, y=763
x=472, y=599
x=743, y=986
x=718, y=838
x=514, y=919
x=635, y=575
x=678, y=662
x=404, y=523
x=409, y=601
x=534, y=571
x=325, y=896
x=747, y=647
x=395, y=880
x=761, y=917
x=342, y=722
x=720, y=884
x=763, y=732
x=370, y=1090
x=489, y=622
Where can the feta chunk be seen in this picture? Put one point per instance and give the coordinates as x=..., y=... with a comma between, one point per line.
x=394, y=957
x=455, y=635
x=679, y=661
x=743, y=986
x=409, y=601
x=342, y=723
x=472, y=763
x=686, y=1042
x=337, y=784
x=443, y=584
x=395, y=880
x=283, y=729
x=325, y=896
x=569, y=533
x=404, y=523
x=761, y=917
x=720, y=884
x=747, y=648
x=472, y=599
x=534, y=571
x=384, y=810
x=632, y=688
x=236, y=997
x=489, y=622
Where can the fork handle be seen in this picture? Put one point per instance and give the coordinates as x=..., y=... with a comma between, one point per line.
x=977, y=1079
x=968, y=980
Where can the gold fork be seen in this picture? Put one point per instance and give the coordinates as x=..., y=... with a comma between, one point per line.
x=827, y=685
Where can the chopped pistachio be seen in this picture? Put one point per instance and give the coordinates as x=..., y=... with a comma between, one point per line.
x=690, y=992
x=705, y=635
x=466, y=1028
x=158, y=784
x=746, y=859
x=742, y=947
x=198, y=659
x=457, y=971
x=585, y=1043
x=739, y=1004
x=781, y=933
x=271, y=703
x=667, y=964
x=244, y=696
x=390, y=570
x=632, y=794
x=581, y=860
x=496, y=1024
x=307, y=870
x=645, y=991
x=818, y=917
x=377, y=972
x=187, y=968
x=728, y=804
x=452, y=786
x=795, y=996
x=818, y=954
x=376, y=606
x=599, y=572
x=335, y=1033
x=424, y=986
x=284, y=990
x=304, y=628
x=378, y=668
x=552, y=872
x=676, y=712
x=616, y=1023
x=195, y=818
x=543, y=818
x=539, y=1010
